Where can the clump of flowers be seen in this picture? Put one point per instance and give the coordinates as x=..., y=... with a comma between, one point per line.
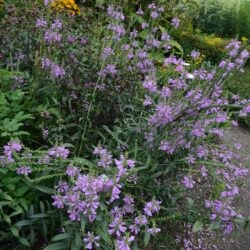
x=65, y=5
x=56, y=71
x=86, y=194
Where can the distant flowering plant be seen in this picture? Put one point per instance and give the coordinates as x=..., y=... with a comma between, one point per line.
x=64, y=5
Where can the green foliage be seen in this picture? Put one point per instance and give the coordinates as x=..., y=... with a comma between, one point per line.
x=223, y=18
x=12, y=116
x=243, y=18
x=212, y=47
x=239, y=85
x=24, y=218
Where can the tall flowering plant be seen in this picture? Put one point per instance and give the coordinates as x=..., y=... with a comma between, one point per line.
x=167, y=114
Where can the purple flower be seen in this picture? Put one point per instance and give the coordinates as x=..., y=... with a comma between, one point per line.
x=148, y=101
x=144, y=26
x=244, y=54
x=117, y=226
x=245, y=111
x=52, y=37
x=46, y=2
x=58, y=201
x=107, y=52
x=46, y=63
x=115, y=192
x=154, y=230
x=140, y=12
x=134, y=229
x=154, y=14
x=56, y=25
x=204, y=171
x=90, y=241
x=165, y=92
x=114, y=13
x=165, y=37
x=118, y=31
x=62, y=187
x=71, y=39
x=59, y=152
x=163, y=115
x=188, y=182
x=72, y=171
x=195, y=54
x=152, y=6
x=57, y=71
x=41, y=23
x=175, y=22
x=123, y=244
x=108, y=70
x=10, y=148
x=24, y=170
x=105, y=157
x=141, y=220
x=129, y=204
x=228, y=228
x=152, y=207
x=150, y=84
x=168, y=147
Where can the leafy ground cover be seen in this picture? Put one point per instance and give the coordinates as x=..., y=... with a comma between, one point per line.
x=110, y=131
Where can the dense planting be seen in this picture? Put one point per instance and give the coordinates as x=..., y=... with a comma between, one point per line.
x=110, y=137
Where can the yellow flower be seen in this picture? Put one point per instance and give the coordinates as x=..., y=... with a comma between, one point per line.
x=244, y=40
x=213, y=41
x=65, y=5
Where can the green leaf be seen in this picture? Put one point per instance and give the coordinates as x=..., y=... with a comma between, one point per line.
x=190, y=202
x=3, y=100
x=99, y=2
x=157, y=56
x=24, y=242
x=56, y=246
x=23, y=223
x=102, y=231
x=21, y=191
x=78, y=240
x=84, y=162
x=214, y=225
x=218, y=189
x=146, y=237
x=39, y=216
x=14, y=231
x=83, y=223
x=162, y=29
x=143, y=34
x=3, y=170
x=198, y=225
x=4, y=203
x=7, y=218
x=16, y=213
x=24, y=203
x=175, y=44
x=135, y=246
x=5, y=196
x=114, y=136
x=61, y=237
x=44, y=189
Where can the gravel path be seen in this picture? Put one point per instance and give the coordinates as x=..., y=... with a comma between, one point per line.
x=241, y=239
